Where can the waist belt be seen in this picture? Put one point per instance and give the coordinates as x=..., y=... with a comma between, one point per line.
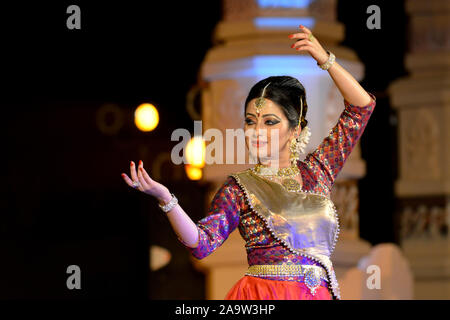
x=312, y=274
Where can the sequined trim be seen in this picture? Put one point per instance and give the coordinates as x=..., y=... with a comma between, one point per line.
x=332, y=280
x=336, y=216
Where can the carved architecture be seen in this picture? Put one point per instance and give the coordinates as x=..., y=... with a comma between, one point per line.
x=423, y=188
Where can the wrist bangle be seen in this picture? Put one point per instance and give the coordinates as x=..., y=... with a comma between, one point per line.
x=169, y=206
x=329, y=62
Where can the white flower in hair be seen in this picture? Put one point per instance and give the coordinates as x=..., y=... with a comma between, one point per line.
x=303, y=139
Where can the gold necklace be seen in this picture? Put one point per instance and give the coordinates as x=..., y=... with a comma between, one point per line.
x=286, y=175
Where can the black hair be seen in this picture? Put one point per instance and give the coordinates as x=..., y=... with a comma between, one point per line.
x=285, y=91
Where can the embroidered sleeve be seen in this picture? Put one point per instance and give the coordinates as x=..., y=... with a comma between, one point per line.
x=329, y=158
x=221, y=220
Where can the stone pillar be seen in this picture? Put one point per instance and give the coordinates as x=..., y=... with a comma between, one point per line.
x=423, y=187
x=251, y=43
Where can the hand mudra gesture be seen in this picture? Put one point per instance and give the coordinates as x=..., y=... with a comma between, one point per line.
x=141, y=181
x=307, y=42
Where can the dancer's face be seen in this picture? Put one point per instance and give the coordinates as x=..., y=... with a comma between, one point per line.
x=261, y=131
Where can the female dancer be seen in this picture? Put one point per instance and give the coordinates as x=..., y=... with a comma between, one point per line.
x=282, y=205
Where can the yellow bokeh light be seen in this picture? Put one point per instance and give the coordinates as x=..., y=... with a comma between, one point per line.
x=193, y=173
x=195, y=152
x=146, y=117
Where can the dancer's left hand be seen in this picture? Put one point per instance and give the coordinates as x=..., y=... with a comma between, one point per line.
x=313, y=47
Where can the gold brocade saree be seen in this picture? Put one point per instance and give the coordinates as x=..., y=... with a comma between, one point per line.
x=305, y=222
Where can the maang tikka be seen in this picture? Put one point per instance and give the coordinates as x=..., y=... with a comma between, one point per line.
x=298, y=144
x=259, y=103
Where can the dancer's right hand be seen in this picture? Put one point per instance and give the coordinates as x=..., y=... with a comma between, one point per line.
x=147, y=184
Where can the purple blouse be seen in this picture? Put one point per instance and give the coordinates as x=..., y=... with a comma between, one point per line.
x=229, y=209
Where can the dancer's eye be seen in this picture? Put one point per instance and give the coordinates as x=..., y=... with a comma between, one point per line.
x=272, y=122
x=249, y=121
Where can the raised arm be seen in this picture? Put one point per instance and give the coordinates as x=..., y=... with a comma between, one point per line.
x=329, y=158
x=221, y=220
x=350, y=89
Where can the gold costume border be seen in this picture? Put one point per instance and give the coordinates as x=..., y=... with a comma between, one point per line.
x=333, y=282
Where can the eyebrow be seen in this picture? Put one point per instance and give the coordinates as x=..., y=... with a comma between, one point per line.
x=265, y=115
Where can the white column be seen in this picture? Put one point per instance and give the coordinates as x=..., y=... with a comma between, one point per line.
x=423, y=188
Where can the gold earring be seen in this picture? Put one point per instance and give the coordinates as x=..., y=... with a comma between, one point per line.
x=293, y=157
x=295, y=154
x=298, y=144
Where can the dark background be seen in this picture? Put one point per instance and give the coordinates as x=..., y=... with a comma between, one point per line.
x=63, y=200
